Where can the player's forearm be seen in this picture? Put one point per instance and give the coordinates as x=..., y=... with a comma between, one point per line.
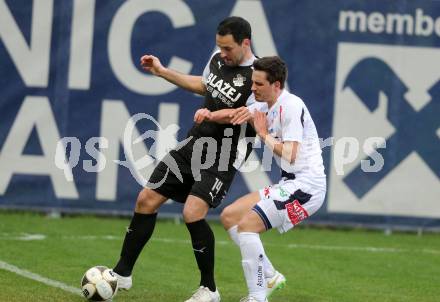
x=222, y=116
x=185, y=81
x=287, y=150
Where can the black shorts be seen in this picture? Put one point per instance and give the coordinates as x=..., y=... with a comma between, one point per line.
x=211, y=185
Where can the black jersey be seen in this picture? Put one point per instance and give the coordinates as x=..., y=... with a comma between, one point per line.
x=226, y=87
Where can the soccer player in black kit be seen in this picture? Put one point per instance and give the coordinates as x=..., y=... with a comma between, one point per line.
x=226, y=85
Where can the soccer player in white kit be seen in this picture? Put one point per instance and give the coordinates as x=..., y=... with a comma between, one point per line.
x=284, y=124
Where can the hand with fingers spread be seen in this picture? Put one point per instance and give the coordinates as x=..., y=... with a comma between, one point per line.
x=201, y=115
x=152, y=64
x=240, y=115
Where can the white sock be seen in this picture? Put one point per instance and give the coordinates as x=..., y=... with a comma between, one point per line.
x=269, y=270
x=252, y=255
x=233, y=233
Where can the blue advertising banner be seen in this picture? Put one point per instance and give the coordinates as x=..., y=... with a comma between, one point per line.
x=72, y=92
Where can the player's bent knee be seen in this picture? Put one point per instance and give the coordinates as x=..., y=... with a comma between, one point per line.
x=193, y=214
x=195, y=209
x=251, y=222
x=227, y=217
x=243, y=226
x=148, y=201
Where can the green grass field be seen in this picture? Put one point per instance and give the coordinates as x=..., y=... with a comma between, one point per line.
x=320, y=264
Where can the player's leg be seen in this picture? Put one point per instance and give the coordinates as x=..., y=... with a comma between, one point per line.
x=233, y=213
x=207, y=192
x=231, y=216
x=253, y=255
x=264, y=216
x=203, y=243
x=286, y=205
x=138, y=233
x=144, y=219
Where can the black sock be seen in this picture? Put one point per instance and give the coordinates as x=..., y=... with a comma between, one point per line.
x=138, y=234
x=203, y=243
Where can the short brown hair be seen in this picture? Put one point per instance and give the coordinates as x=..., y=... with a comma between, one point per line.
x=275, y=68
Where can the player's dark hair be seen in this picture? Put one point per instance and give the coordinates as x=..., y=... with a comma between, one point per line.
x=238, y=27
x=275, y=68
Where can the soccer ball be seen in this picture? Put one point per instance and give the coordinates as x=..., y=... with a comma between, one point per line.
x=99, y=284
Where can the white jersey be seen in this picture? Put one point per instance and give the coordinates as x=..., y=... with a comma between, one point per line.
x=289, y=120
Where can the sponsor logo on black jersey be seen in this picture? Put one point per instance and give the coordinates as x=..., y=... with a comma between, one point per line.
x=239, y=80
x=221, y=89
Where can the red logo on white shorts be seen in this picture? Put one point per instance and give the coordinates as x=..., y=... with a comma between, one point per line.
x=266, y=192
x=296, y=212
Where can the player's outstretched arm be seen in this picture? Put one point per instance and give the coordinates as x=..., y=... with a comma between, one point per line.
x=192, y=83
x=240, y=115
x=222, y=116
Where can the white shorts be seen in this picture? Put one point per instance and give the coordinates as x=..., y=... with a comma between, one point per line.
x=287, y=203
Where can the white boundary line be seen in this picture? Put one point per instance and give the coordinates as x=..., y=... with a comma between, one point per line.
x=370, y=249
x=27, y=274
